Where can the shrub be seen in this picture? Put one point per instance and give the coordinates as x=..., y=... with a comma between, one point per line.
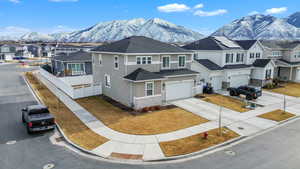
x=157, y=108
x=145, y=109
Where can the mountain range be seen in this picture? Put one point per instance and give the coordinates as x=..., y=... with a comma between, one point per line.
x=115, y=30
x=262, y=27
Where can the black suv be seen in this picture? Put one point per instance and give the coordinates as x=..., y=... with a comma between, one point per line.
x=249, y=91
x=37, y=118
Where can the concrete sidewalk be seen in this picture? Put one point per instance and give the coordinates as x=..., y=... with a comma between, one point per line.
x=147, y=146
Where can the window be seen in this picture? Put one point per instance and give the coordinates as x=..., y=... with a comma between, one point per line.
x=107, y=81
x=242, y=57
x=276, y=53
x=76, y=68
x=181, y=61
x=231, y=59
x=143, y=60
x=227, y=58
x=116, y=62
x=149, y=89
x=166, y=62
x=100, y=59
x=251, y=55
x=238, y=57
x=257, y=55
x=268, y=73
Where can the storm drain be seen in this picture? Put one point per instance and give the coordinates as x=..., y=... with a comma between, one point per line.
x=231, y=153
x=11, y=142
x=49, y=166
x=59, y=139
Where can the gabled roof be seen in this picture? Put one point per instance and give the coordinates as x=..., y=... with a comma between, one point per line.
x=176, y=72
x=246, y=44
x=208, y=64
x=139, y=44
x=213, y=43
x=76, y=56
x=261, y=62
x=290, y=63
x=280, y=45
x=238, y=66
x=142, y=74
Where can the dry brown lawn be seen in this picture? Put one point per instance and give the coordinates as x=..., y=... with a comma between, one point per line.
x=290, y=89
x=226, y=101
x=156, y=122
x=73, y=128
x=196, y=142
x=277, y=115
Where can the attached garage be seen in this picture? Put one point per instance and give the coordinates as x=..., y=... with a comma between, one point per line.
x=178, y=90
x=216, y=82
x=239, y=80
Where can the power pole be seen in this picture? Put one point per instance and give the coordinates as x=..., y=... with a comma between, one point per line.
x=220, y=121
x=284, y=104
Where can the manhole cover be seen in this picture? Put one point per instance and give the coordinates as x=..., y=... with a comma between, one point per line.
x=229, y=152
x=49, y=166
x=241, y=128
x=11, y=142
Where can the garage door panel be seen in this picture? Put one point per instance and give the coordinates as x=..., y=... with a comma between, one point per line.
x=178, y=90
x=216, y=82
x=239, y=80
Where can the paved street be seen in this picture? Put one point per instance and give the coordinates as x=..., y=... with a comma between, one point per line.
x=277, y=149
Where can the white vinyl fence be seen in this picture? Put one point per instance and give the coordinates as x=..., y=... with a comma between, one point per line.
x=74, y=92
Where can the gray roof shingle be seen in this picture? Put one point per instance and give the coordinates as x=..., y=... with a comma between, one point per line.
x=142, y=74
x=208, y=64
x=76, y=56
x=246, y=44
x=238, y=66
x=139, y=44
x=261, y=62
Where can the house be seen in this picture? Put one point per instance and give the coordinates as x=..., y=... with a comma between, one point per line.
x=263, y=68
x=72, y=64
x=222, y=63
x=7, y=52
x=65, y=48
x=141, y=72
x=34, y=50
x=286, y=55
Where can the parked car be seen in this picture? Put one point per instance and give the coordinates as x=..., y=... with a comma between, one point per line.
x=37, y=118
x=249, y=91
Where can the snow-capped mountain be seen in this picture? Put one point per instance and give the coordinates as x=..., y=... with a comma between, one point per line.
x=260, y=27
x=115, y=30
x=294, y=19
x=35, y=36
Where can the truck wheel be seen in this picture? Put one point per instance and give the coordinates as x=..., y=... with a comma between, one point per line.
x=249, y=97
x=28, y=131
x=23, y=120
x=232, y=93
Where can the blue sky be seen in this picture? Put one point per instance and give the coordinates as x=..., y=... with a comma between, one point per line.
x=66, y=15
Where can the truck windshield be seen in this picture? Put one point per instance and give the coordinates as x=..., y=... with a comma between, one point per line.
x=38, y=111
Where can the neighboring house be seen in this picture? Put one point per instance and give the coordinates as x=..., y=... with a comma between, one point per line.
x=141, y=72
x=286, y=55
x=46, y=50
x=7, y=52
x=72, y=64
x=34, y=50
x=222, y=63
x=64, y=48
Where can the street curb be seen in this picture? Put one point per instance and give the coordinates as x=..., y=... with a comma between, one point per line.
x=57, y=125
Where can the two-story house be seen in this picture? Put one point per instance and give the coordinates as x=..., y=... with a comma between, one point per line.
x=222, y=63
x=141, y=72
x=286, y=55
x=262, y=68
x=7, y=52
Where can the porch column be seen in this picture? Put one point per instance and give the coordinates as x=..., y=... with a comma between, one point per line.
x=291, y=73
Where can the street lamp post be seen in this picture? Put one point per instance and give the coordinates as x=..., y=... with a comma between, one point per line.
x=220, y=121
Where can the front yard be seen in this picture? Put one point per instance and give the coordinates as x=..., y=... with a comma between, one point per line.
x=225, y=101
x=156, y=122
x=290, y=89
x=277, y=115
x=196, y=142
x=73, y=128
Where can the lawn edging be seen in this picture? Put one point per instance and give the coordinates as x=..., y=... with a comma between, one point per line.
x=39, y=100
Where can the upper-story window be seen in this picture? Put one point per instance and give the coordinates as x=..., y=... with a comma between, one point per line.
x=239, y=57
x=257, y=55
x=252, y=55
x=181, y=61
x=276, y=53
x=229, y=58
x=100, y=59
x=116, y=62
x=143, y=60
x=166, y=62
x=268, y=73
x=297, y=54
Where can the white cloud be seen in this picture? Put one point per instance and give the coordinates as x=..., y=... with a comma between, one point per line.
x=276, y=10
x=210, y=13
x=14, y=1
x=198, y=6
x=173, y=8
x=63, y=0
x=253, y=13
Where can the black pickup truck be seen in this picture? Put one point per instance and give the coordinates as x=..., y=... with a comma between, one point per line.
x=37, y=118
x=249, y=91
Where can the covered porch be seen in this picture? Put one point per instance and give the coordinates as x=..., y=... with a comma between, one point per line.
x=288, y=71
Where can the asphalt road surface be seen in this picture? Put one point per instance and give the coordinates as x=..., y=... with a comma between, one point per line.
x=277, y=149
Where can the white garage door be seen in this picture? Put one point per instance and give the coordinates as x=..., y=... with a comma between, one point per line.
x=178, y=90
x=239, y=80
x=216, y=82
